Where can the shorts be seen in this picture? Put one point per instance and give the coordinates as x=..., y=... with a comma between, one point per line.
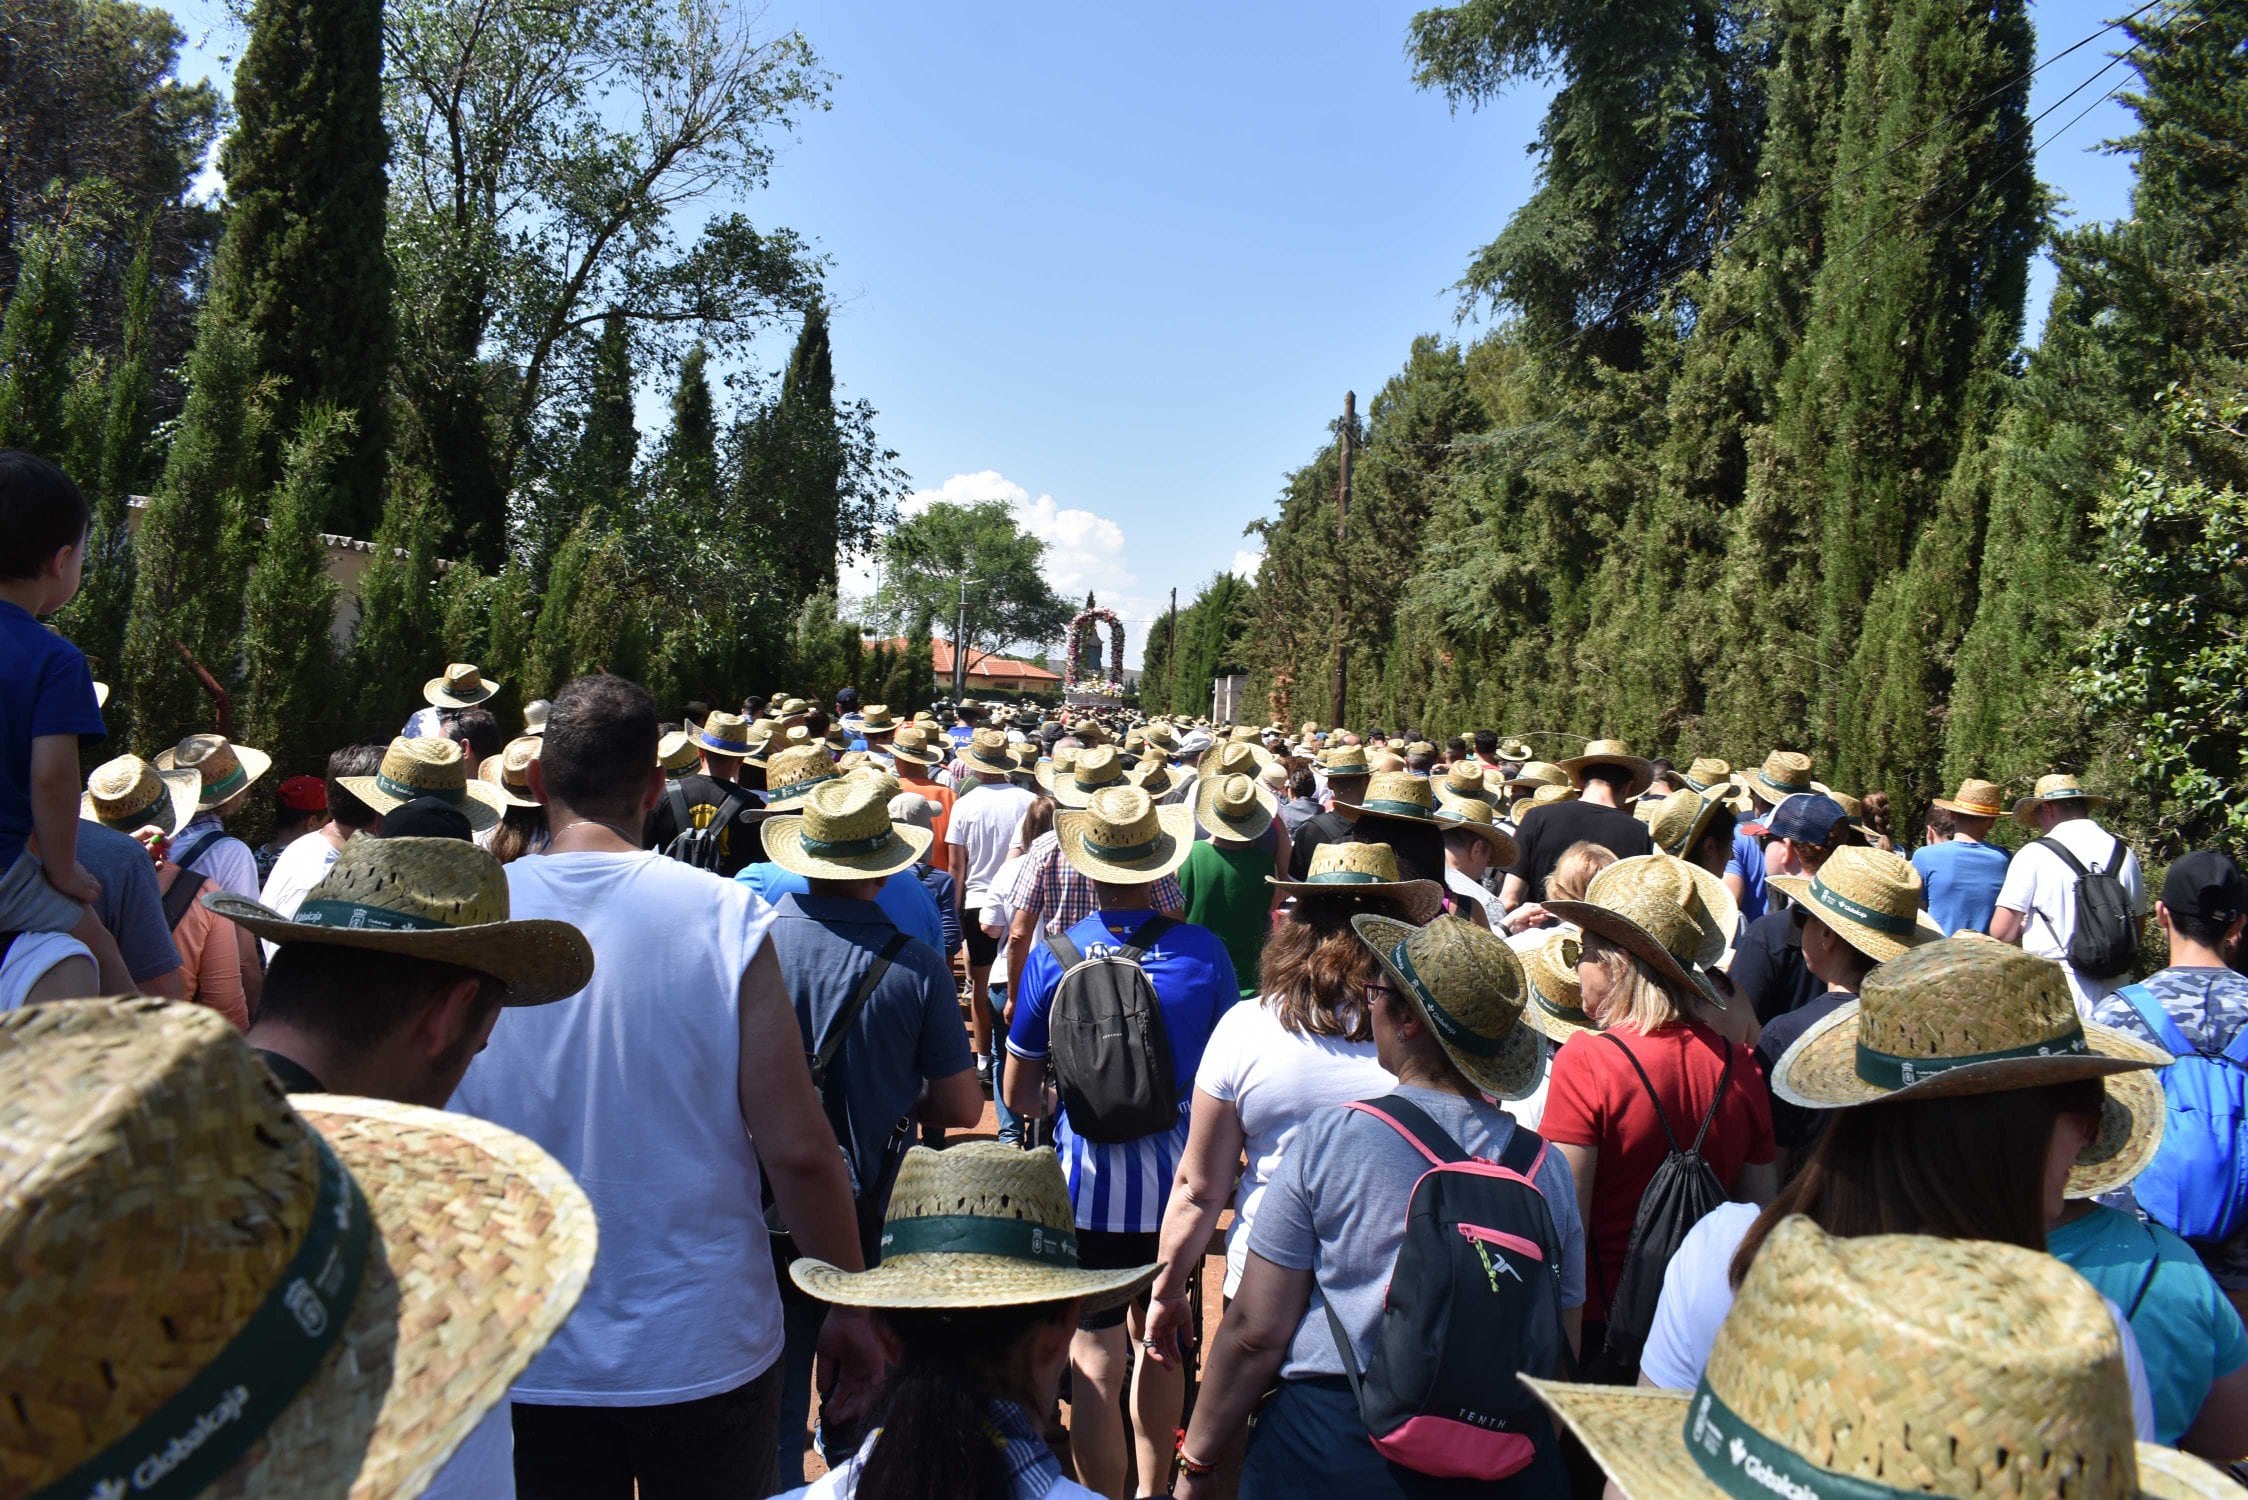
x=983, y=948
x=29, y=904
x=1113, y=1250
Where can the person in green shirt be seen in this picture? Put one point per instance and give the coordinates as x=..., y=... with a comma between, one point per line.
x=1224, y=879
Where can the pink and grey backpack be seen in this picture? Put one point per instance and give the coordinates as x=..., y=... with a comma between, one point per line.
x=1474, y=1302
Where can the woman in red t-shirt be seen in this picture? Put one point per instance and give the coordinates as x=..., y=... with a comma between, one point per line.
x=1650, y=925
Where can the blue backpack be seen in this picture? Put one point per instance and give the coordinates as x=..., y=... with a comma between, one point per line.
x=2197, y=1184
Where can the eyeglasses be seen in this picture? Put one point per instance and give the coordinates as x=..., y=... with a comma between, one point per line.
x=1381, y=989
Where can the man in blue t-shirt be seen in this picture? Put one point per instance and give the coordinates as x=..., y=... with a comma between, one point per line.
x=1961, y=872
x=1123, y=843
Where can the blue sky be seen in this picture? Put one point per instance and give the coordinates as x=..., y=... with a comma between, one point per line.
x=1118, y=265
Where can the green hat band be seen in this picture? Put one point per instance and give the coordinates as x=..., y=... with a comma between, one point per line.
x=1865, y=916
x=796, y=788
x=1344, y=877
x=973, y=1234
x=1747, y=1465
x=1391, y=805
x=1447, y=1025
x=1574, y=1015
x=1123, y=853
x=455, y=795
x=843, y=848
x=232, y=781
x=1890, y=1071
x=354, y=914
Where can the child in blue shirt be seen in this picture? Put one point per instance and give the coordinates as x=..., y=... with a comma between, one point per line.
x=46, y=705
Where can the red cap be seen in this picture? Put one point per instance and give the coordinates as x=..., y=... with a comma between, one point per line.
x=304, y=794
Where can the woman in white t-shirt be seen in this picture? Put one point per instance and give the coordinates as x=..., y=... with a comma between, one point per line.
x=1304, y=1045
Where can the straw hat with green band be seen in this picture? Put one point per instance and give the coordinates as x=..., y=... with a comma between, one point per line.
x=1153, y=774
x=1611, y=753
x=218, y=1290
x=1469, y=985
x=1234, y=758
x=1886, y=1366
x=877, y=719
x=1557, y=1001
x=509, y=773
x=987, y=752
x=426, y=767
x=1396, y=794
x=1464, y=782
x=1233, y=807
x=1364, y=869
x=979, y=1224
x=1975, y=799
x=1682, y=819
x=1346, y=760
x=844, y=832
x=1972, y=1015
x=1536, y=773
x=227, y=769
x=1868, y=898
x=437, y=899
x=2062, y=791
x=1072, y=782
x=791, y=775
x=1664, y=912
x=1783, y=774
x=128, y=794
x=1478, y=818
x=1122, y=838
x=913, y=743
x=675, y=752
x=1715, y=777
x=1513, y=751
x=460, y=685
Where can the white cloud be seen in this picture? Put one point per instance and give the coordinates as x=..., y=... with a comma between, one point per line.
x=1247, y=564
x=1085, y=552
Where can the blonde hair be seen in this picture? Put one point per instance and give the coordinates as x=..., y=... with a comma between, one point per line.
x=1637, y=996
x=1574, y=870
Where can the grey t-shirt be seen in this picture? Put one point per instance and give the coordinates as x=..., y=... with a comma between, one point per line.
x=131, y=906
x=1337, y=1208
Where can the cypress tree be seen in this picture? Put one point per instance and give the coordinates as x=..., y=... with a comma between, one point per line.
x=806, y=468
x=38, y=334
x=302, y=268
x=182, y=593
x=97, y=615
x=288, y=664
x=608, y=442
x=394, y=642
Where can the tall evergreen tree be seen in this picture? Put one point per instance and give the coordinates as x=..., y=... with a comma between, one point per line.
x=608, y=442
x=38, y=335
x=288, y=664
x=395, y=639
x=301, y=269
x=97, y=621
x=794, y=463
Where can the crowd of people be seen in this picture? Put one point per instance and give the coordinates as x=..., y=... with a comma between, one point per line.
x=579, y=1112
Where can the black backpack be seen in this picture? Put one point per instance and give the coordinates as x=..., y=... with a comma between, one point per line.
x=1106, y=1042
x=704, y=848
x=2105, y=941
x=1680, y=1195
x=1473, y=1304
x=185, y=886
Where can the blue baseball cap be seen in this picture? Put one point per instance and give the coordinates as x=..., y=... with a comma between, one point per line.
x=1802, y=818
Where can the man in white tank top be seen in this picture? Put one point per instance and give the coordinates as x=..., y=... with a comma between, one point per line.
x=666, y=1088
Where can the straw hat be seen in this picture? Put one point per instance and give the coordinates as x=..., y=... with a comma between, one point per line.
x=1464, y=782
x=338, y=1291
x=1396, y=794
x=1890, y=1365
x=227, y=769
x=877, y=719
x=1346, y=760
x=1122, y=838
x=873, y=774
x=1234, y=807
x=425, y=767
x=1675, y=917
x=129, y=794
x=1364, y=869
x=1546, y=796
x=1679, y=821
x=914, y=743
x=1234, y=758
x=460, y=685
x=1468, y=983
x=438, y=899
x=1513, y=751
x=509, y=772
x=1089, y=731
x=1975, y=799
x=986, y=751
x=1707, y=773
x=1478, y=818
x=979, y=1224
x=723, y=733
x=1153, y=774
x=792, y=707
x=1072, y=782
x=1972, y=1015
x=1162, y=736
x=675, y=752
x=2056, y=789
x=1557, y=998
x=844, y=833
x=1783, y=774
x=792, y=774
x=1869, y=898
x=1540, y=773
x=1610, y=753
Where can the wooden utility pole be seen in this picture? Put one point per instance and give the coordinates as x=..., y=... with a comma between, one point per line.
x=1342, y=564
x=1170, y=645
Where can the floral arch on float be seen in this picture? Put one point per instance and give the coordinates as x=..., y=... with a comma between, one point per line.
x=1079, y=686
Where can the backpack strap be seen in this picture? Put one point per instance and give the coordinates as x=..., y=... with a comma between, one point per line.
x=1670, y=1137
x=1715, y=1100
x=2066, y=857
x=840, y=1028
x=194, y=851
x=181, y=896
x=1065, y=951
x=675, y=798
x=2158, y=1023
x=1406, y=1118
x=729, y=808
x=1150, y=933
x=1524, y=1153
x=2146, y=1282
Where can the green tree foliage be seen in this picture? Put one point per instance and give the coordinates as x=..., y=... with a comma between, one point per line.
x=1212, y=634
x=98, y=130
x=97, y=616
x=601, y=470
x=38, y=333
x=1009, y=603
x=395, y=639
x=302, y=268
x=288, y=665
x=182, y=593
x=590, y=619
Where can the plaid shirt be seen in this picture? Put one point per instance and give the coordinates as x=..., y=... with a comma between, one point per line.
x=1061, y=898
